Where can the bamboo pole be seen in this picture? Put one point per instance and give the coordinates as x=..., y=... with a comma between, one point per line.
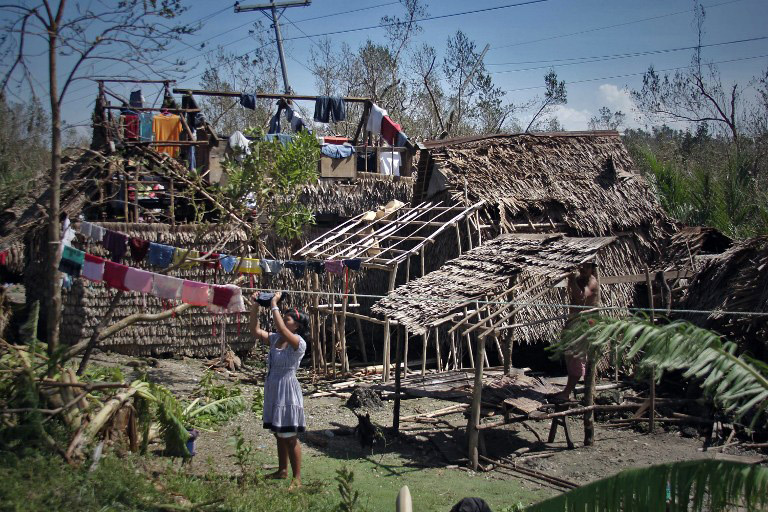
x=468, y=340
x=425, y=339
x=387, y=322
x=343, y=328
x=405, y=353
x=437, y=350
x=652, y=383
x=398, y=366
x=473, y=433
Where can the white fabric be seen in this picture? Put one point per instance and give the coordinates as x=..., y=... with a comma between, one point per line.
x=167, y=287
x=236, y=304
x=97, y=233
x=240, y=145
x=93, y=271
x=67, y=233
x=294, y=118
x=374, y=119
x=85, y=228
x=389, y=163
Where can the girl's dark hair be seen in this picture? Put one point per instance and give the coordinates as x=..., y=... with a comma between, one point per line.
x=302, y=319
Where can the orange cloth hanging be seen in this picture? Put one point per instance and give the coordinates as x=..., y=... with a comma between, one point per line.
x=167, y=128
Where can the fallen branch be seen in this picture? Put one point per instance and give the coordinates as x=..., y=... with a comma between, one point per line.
x=533, y=473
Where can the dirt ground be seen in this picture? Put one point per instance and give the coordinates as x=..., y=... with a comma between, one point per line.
x=436, y=448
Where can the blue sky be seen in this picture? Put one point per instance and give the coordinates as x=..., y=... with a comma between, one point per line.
x=536, y=36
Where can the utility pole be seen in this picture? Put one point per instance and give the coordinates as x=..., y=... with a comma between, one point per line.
x=273, y=15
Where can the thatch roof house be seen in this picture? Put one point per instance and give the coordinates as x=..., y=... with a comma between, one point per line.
x=734, y=281
x=575, y=195
x=582, y=183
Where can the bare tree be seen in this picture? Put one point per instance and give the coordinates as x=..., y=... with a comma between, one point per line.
x=696, y=94
x=555, y=95
x=607, y=120
x=130, y=32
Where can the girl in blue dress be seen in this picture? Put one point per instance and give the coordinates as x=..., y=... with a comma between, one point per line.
x=283, y=401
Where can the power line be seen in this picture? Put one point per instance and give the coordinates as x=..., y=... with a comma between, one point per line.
x=420, y=20
x=636, y=74
x=601, y=58
x=596, y=29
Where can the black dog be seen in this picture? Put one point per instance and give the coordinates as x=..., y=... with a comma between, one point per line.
x=366, y=432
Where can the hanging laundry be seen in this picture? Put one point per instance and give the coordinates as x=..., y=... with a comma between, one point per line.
x=97, y=233
x=167, y=127
x=298, y=268
x=284, y=138
x=131, y=126
x=138, y=280
x=93, y=268
x=334, y=266
x=270, y=267
x=389, y=130
x=86, y=228
x=330, y=107
x=185, y=256
x=265, y=298
x=337, y=151
x=211, y=260
x=160, y=255
x=226, y=299
x=4, y=257
x=139, y=249
x=67, y=233
x=374, y=119
x=401, y=141
x=274, y=123
x=248, y=101
x=332, y=139
x=195, y=293
x=136, y=99
x=146, y=120
x=249, y=266
x=71, y=261
x=228, y=263
x=389, y=163
x=167, y=287
x=115, y=243
x=114, y=275
x=317, y=267
x=353, y=264
x=297, y=122
x=239, y=145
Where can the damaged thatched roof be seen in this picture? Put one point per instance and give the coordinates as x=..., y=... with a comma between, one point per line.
x=349, y=198
x=585, y=180
x=736, y=280
x=489, y=270
x=692, y=243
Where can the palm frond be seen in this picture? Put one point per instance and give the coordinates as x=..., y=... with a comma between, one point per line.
x=712, y=485
x=738, y=382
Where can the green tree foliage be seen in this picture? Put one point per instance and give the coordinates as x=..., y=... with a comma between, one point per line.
x=712, y=485
x=271, y=179
x=555, y=94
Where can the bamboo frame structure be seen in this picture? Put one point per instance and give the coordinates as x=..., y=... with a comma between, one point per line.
x=383, y=244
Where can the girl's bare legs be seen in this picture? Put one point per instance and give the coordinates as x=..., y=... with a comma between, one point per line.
x=282, y=459
x=293, y=449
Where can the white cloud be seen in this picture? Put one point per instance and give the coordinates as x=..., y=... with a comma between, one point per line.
x=611, y=96
x=571, y=118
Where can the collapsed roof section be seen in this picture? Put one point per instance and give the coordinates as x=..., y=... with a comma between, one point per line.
x=501, y=281
x=385, y=238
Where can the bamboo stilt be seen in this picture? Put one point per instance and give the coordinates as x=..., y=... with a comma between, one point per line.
x=477, y=395
x=425, y=339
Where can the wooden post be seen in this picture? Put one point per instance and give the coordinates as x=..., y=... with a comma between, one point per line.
x=437, y=350
x=468, y=339
x=508, y=346
x=398, y=366
x=318, y=324
x=343, y=331
x=589, y=384
x=360, y=337
x=652, y=391
x=405, y=353
x=332, y=298
x=458, y=238
x=425, y=338
x=173, y=203
x=477, y=395
x=387, y=362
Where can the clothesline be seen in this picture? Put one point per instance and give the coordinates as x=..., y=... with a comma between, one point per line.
x=160, y=255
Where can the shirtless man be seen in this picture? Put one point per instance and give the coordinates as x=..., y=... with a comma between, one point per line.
x=583, y=290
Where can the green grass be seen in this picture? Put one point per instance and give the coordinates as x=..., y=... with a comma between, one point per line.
x=44, y=482
x=378, y=478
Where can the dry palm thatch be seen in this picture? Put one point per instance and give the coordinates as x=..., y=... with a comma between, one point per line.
x=736, y=281
x=692, y=243
x=584, y=181
x=493, y=268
